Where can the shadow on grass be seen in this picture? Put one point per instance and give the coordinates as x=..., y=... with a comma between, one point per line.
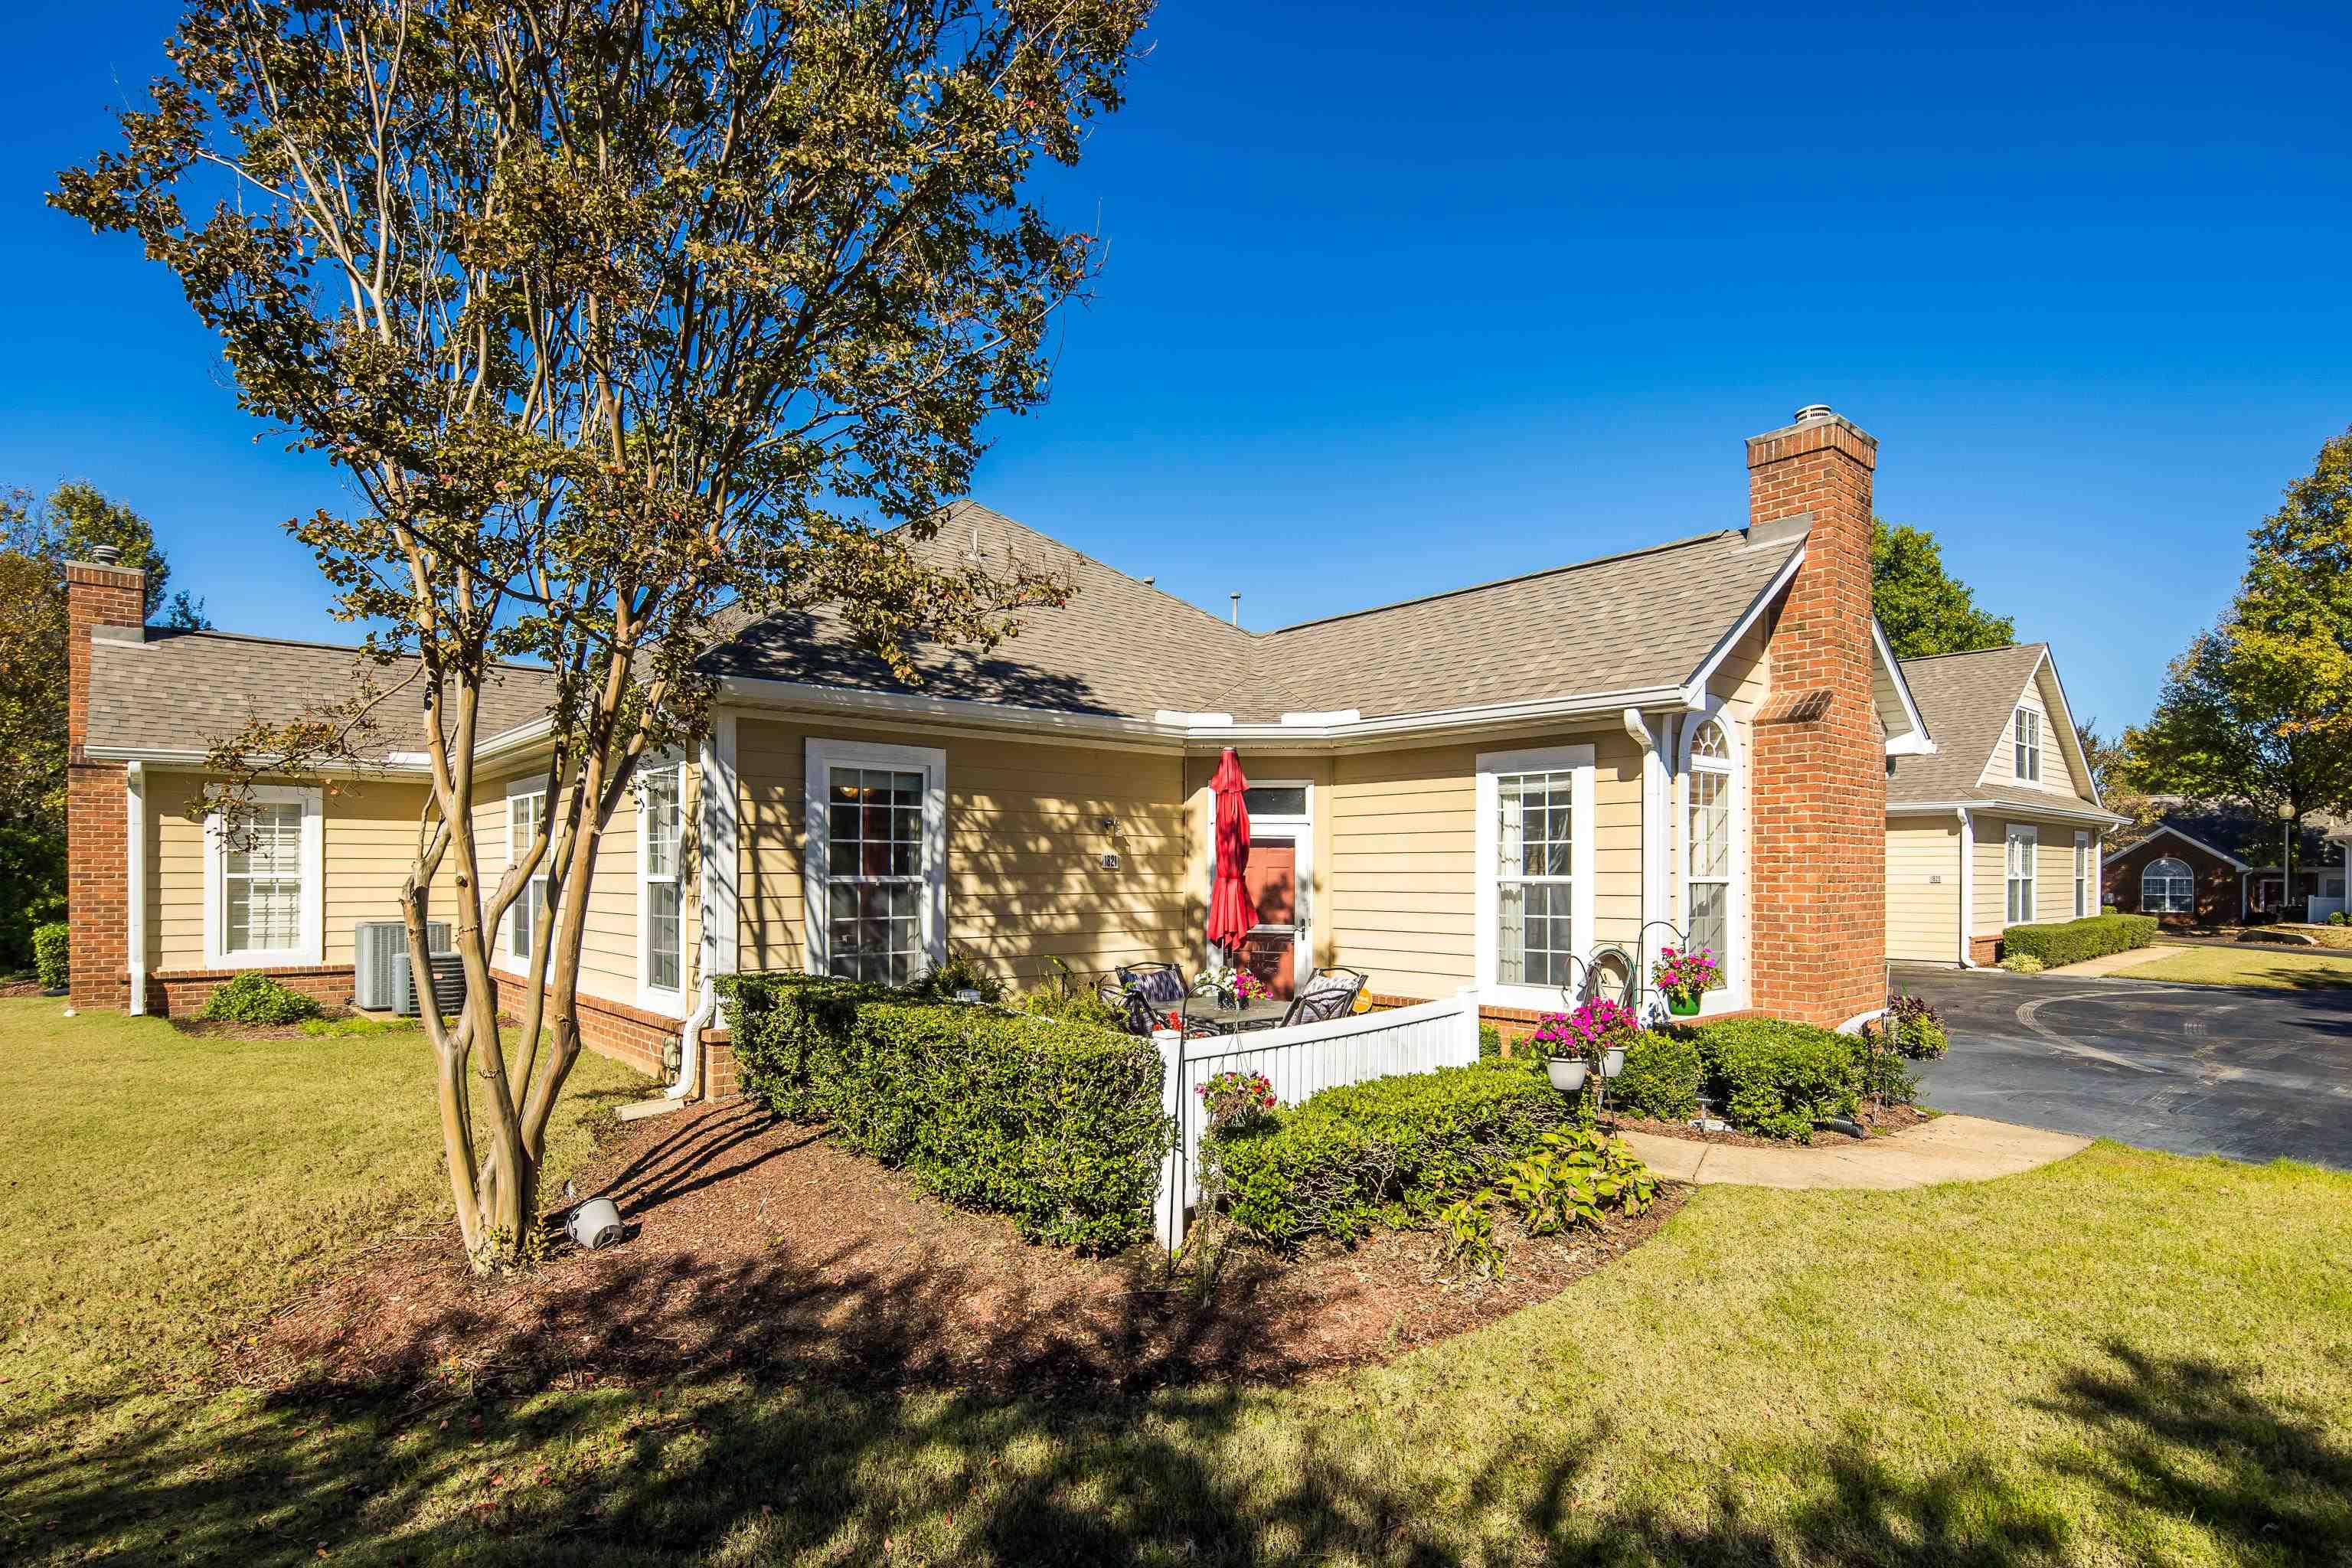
x=757, y=1468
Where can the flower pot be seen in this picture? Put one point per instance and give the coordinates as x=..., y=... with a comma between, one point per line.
x=1612, y=1061
x=1567, y=1074
x=1683, y=1003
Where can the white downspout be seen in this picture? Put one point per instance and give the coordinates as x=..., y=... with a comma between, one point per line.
x=135, y=898
x=1653, y=818
x=719, y=847
x=1968, y=889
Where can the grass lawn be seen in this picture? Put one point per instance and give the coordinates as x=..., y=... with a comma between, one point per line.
x=2273, y=968
x=2123, y=1358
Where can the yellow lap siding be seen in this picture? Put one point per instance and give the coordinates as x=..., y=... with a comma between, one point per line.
x=1923, y=890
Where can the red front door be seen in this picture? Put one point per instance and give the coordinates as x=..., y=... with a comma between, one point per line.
x=1271, y=883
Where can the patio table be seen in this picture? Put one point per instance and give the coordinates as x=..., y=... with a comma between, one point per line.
x=1204, y=1016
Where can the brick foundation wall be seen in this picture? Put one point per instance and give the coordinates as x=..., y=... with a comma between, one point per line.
x=98, y=909
x=1984, y=950
x=634, y=1036
x=1818, y=777
x=182, y=993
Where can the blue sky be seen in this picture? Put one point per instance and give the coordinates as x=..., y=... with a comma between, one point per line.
x=1401, y=298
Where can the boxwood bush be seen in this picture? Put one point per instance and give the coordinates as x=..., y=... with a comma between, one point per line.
x=1056, y=1123
x=49, y=956
x=1661, y=1077
x=1776, y=1078
x=255, y=998
x=1393, y=1151
x=2092, y=936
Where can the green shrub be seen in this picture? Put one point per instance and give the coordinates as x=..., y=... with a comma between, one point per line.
x=2021, y=964
x=959, y=972
x=2092, y=936
x=1660, y=1080
x=1776, y=1078
x=50, y=958
x=1068, y=998
x=1887, y=1078
x=255, y=998
x=1578, y=1178
x=1393, y=1151
x=1917, y=1030
x=1490, y=1043
x=2338, y=918
x=1056, y=1123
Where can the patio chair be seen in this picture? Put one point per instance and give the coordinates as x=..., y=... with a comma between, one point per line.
x=1149, y=990
x=1329, y=994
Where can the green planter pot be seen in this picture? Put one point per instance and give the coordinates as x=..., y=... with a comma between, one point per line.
x=1683, y=1003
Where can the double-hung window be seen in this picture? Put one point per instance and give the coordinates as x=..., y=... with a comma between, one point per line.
x=526, y=811
x=661, y=895
x=874, y=876
x=1706, y=842
x=2023, y=843
x=2168, y=887
x=263, y=903
x=2028, y=746
x=1535, y=882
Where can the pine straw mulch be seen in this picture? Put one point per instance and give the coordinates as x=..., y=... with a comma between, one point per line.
x=760, y=1247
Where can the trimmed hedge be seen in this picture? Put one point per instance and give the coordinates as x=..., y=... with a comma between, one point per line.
x=50, y=959
x=1662, y=1077
x=2093, y=936
x=1393, y=1151
x=1775, y=1077
x=1056, y=1123
x=255, y=998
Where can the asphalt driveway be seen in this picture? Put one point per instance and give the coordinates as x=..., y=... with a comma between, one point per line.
x=2253, y=1075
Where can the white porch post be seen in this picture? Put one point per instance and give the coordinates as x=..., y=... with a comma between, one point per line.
x=1467, y=1041
x=1172, y=1177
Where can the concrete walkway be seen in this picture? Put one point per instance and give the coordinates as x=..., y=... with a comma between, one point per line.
x=1947, y=1149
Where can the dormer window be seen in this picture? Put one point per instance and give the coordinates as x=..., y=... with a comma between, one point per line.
x=2029, y=746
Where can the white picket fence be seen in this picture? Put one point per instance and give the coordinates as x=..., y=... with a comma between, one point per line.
x=1299, y=1061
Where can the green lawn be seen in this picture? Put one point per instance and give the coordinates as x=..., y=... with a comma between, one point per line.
x=2123, y=1358
x=2273, y=968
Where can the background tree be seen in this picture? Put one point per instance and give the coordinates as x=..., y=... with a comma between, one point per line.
x=627, y=318
x=1923, y=609
x=2119, y=791
x=2259, y=708
x=37, y=537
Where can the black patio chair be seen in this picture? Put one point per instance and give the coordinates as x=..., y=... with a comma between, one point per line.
x=1329, y=994
x=1149, y=991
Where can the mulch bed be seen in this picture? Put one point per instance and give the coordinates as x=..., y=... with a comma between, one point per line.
x=759, y=1247
x=1880, y=1121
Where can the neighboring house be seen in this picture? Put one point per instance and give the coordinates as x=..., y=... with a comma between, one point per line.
x=2215, y=864
x=1476, y=788
x=2001, y=826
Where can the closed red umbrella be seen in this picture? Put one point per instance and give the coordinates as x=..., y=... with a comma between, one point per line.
x=1231, y=914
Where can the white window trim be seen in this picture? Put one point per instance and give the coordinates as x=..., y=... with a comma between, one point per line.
x=2085, y=904
x=820, y=757
x=311, y=920
x=1733, y=996
x=1576, y=761
x=522, y=784
x=2018, y=742
x=2028, y=834
x=1299, y=828
x=2149, y=869
x=665, y=999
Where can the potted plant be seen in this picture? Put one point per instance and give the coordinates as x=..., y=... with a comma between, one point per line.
x=1232, y=987
x=1685, y=974
x=1574, y=1043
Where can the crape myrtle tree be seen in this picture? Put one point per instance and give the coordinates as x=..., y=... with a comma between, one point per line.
x=627, y=319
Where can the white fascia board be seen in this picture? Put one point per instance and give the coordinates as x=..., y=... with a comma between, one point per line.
x=1896, y=746
x=197, y=759
x=2005, y=808
x=1170, y=728
x=1694, y=694
x=1915, y=744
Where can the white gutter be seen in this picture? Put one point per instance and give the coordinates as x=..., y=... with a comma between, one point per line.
x=2002, y=808
x=134, y=894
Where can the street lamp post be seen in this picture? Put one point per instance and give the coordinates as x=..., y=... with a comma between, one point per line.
x=2287, y=855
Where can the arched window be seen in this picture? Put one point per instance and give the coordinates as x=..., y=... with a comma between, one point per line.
x=1710, y=844
x=2167, y=888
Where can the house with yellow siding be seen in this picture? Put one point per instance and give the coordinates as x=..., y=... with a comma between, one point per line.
x=1494, y=787
x=2001, y=824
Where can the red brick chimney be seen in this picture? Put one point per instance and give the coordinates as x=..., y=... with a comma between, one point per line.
x=100, y=593
x=1818, y=843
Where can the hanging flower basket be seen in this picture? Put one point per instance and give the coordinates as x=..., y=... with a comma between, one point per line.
x=1683, y=1003
x=1567, y=1074
x=1684, y=974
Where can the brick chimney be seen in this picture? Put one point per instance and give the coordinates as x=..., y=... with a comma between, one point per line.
x=1818, y=841
x=103, y=598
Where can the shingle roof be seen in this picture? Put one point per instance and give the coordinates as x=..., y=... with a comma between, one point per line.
x=1622, y=623
x=183, y=691
x=1641, y=620
x=1967, y=700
